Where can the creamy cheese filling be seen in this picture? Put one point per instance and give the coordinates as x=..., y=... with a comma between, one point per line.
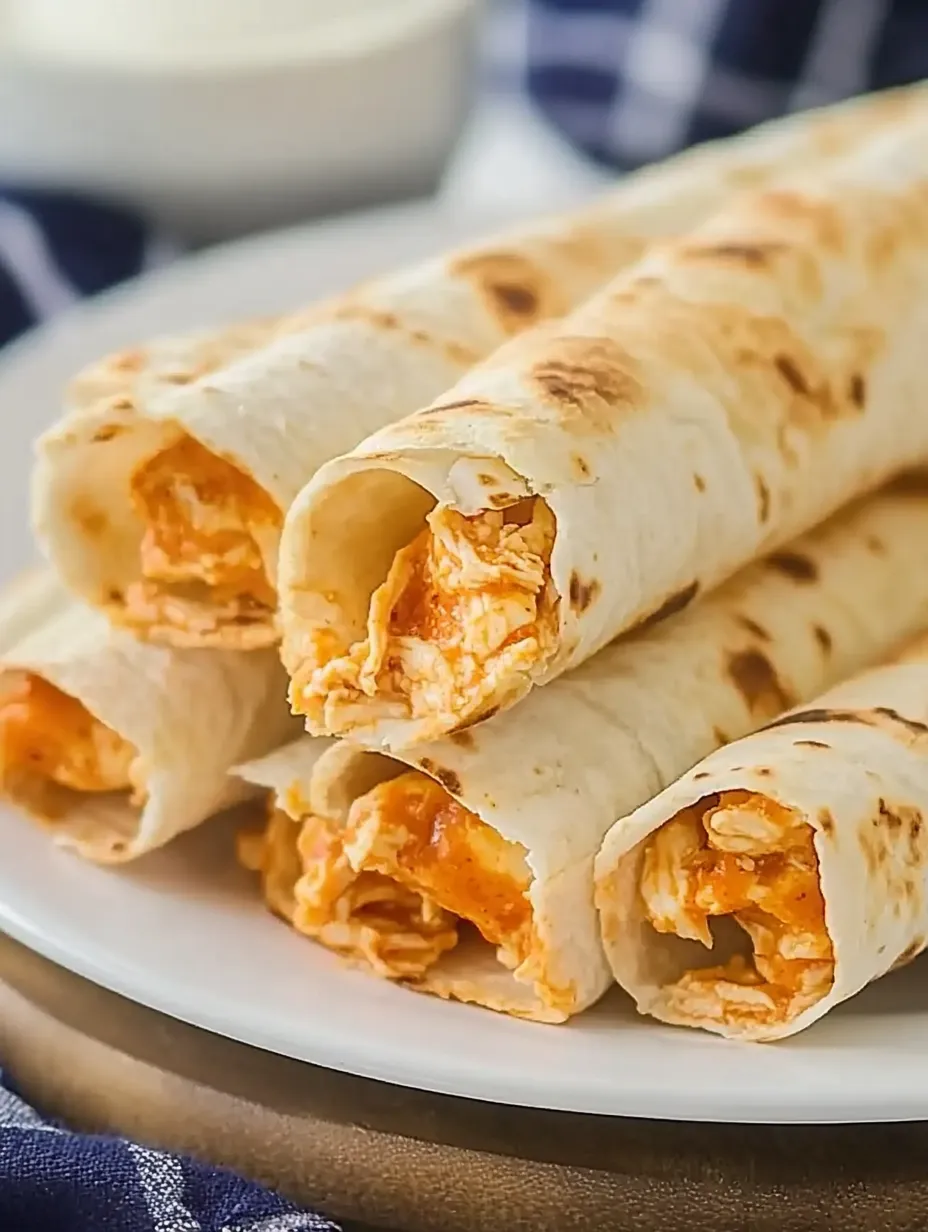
x=201, y=560
x=466, y=610
x=742, y=855
x=47, y=735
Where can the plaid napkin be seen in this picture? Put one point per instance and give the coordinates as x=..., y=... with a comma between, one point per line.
x=52, y=1180
x=631, y=81
x=56, y=248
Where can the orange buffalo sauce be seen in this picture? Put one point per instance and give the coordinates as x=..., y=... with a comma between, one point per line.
x=49, y=734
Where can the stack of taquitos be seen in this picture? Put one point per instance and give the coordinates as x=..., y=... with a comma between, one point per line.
x=160, y=496
x=811, y=835
x=727, y=392
x=389, y=860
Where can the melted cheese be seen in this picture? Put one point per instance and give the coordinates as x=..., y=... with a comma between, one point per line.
x=745, y=856
x=200, y=556
x=467, y=609
x=46, y=734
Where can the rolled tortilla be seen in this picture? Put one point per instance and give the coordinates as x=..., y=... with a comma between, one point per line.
x=811, y=835
x=730, y=391
x=464, y=866
x=160, y=496
x=115, y=745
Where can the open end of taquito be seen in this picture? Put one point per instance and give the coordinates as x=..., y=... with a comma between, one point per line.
x=385, y=867
x=449, y=611
x=168, y=535
x=734, y=857
x=117, y=745
x=61, y=764
x=784, y=872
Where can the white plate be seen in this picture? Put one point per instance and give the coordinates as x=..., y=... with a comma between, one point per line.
x=184, y=932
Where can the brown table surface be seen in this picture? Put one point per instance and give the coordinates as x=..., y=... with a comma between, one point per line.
x=392, y=1158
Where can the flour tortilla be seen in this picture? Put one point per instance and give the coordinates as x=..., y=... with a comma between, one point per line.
x=555, y=772
x=854, y=765
x=278, y=399
x=190, y=714
x=723, y=395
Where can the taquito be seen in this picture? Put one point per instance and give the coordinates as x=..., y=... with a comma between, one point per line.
x=730, y=391
x=160, y=495
x=115, y=745
x=809, y=837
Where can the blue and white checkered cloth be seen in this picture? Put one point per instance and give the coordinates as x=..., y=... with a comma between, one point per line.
x=52, y=1180
x=632, y=81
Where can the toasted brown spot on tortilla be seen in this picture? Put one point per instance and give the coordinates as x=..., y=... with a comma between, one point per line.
x=357, y=310
x=518, y=301
x=464, y=355
x=792, y=374
x=720, y=737
x=460, y=405
x=92, y=520
x=503, y=500
x=581, y=466
x=701, y=774
x=699, y=483
x=121, y=403
x=514, y=289
x=179, y=378
x=887, y=817
x=592, y=376
x=811, y=744
x=448, y=778
x=763, y=772
x=875, y=545
x=582, y=594
x=479, y=718
x=114, y=595
x=796, y=566
x=793, y=204
x=823, y=637
x=911, y=483
x=857, y=390
x=676, y=603
x=915, y=726
x=755, y=255
x=874, y=846
x=754, y=676
x=819, y=714
x=763, y=499
x=128, y=361
x=911, y=951
x=826, y=822
x=753, y=627
x=107, y=432
x=463, y=738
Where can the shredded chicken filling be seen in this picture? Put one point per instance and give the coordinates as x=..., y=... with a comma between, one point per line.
x=393, y=886
x=46, y=734
x=742, y=855
x=467, y=608
x=203, y=520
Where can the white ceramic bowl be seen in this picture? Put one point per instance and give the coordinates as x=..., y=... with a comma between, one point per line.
x=255, y=134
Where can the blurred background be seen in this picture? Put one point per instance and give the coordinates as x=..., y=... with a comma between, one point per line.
x=136, y=129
